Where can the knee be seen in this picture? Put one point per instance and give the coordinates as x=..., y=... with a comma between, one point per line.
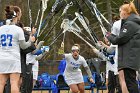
x=14, y=89
x=15, y=84
x=2, y=83
x=74, y=90
x=82, y=90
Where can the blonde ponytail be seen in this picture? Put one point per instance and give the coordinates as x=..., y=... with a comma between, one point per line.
x=132, y=8
x=129, y=8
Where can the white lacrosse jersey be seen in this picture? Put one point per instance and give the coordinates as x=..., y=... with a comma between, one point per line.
x=114, y=67
x=72, y=73
x=116, y=27
x=10, y=49
x=30, y=58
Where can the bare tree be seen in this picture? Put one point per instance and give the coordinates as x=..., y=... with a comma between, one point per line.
x=137, y=3
x=109, y=10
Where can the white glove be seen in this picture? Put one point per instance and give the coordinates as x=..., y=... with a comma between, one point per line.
x=99, y=46
x=45, y=48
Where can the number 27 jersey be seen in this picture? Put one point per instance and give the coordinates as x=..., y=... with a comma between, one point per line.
x=9, y=41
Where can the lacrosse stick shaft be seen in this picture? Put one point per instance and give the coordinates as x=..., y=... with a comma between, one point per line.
x=96, y=51
x=30, y=15
x=94, y=7
x=40, y=24
x=45, y=24
x=38, y=13
x=57, y=6
x=37, y=17
x=85, y=25
x=98, y=14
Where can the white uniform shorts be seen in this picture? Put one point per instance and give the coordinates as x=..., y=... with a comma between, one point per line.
x=74, y=78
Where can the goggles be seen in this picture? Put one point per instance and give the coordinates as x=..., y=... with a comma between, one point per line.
x=75, y=51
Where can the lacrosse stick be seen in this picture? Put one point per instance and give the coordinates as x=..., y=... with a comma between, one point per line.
x=64, y=12
x=38, y=13
x=98, y=15
x=30, y=15
x=44, y=7
x=57, y=6
x=67, y=26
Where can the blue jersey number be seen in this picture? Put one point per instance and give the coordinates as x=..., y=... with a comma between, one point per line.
x=4, y=37
x=74, y=68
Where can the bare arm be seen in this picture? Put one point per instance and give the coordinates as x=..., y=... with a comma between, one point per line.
x=88, y=71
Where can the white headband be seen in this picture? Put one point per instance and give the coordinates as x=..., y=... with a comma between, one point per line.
x=75, y=48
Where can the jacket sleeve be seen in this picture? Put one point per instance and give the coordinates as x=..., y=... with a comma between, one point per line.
x=29, y=49
x=127, y=32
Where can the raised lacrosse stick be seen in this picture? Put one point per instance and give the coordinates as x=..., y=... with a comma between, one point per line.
x=67, y=26
x=44, y=7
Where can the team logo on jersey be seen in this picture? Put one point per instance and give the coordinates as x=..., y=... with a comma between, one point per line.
x=74, y=64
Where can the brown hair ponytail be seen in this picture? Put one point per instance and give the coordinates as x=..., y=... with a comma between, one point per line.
x=9, y=12
x=12, y=11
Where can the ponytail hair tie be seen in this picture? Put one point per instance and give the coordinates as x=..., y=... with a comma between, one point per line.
x=14, y=14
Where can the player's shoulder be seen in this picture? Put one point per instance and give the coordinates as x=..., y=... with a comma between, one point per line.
x=16, y=27
x=13, y=28
x=4, y=27
x=81, y=57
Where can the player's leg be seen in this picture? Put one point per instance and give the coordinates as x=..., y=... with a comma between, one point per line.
x=3, y=79
x=81, y=87
x=122, y=82
x=14, y=81
x=74, y=88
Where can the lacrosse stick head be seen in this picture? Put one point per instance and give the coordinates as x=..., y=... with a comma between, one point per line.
x=81, y=19
x=74, y=26
x=44, y=5
x=64, y=24
x=87, y=21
